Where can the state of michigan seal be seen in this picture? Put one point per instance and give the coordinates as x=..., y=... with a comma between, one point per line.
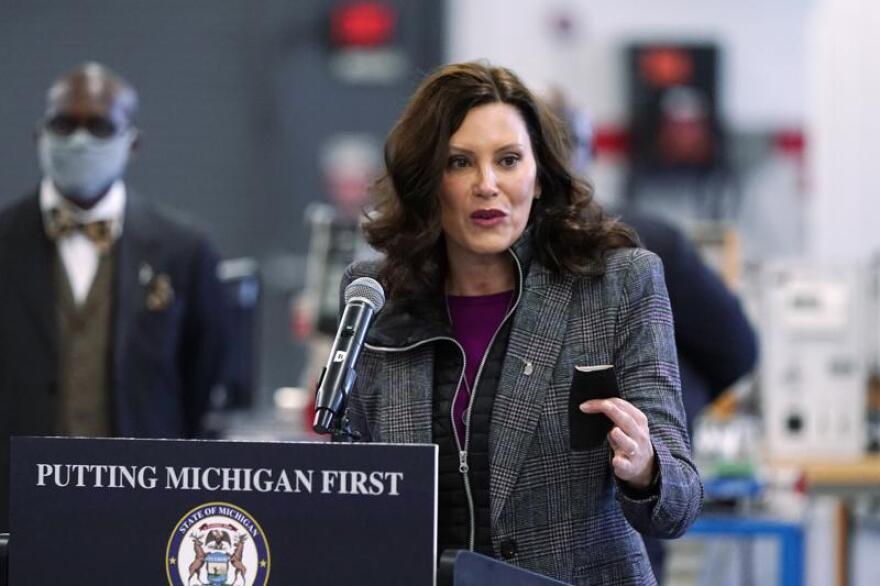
x=217, y=543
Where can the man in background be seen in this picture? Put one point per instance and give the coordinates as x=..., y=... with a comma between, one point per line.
x=111, y=310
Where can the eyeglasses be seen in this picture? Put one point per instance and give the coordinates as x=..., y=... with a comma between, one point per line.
x=97, y=126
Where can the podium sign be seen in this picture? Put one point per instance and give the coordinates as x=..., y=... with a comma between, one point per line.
x=150, y=512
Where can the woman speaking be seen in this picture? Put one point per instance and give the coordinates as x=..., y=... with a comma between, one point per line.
x=512, y=296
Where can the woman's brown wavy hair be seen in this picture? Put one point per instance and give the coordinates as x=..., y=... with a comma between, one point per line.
x=570, y=231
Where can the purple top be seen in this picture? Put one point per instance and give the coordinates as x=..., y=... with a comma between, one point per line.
x=474, y=322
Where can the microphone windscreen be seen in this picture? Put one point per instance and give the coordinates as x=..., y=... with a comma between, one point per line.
x=368, y=289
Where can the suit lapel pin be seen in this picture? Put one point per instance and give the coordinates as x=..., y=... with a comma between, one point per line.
x=145, y=274
x=160, y=294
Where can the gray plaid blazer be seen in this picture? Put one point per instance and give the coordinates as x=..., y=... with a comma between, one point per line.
x=565, y=509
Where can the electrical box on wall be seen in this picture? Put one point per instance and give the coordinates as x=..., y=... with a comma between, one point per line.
x=813, y=371
x=673, y=106
x=364, y=44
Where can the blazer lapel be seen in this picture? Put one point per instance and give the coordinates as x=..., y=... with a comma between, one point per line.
x=407, y=412
x=532, y=351
x=401, y=332
x=135, y=249
x=33, y=271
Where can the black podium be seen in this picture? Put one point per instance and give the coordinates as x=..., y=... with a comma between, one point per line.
x=458, y=568
x=211, y=513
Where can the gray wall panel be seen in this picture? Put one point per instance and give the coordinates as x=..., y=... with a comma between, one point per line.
x=236, y=99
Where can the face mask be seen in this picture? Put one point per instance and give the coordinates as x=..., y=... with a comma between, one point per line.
x=82, y=165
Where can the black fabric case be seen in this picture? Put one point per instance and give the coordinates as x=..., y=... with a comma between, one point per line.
x=588, y=430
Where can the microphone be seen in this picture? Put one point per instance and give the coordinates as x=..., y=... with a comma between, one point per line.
x=364, y=297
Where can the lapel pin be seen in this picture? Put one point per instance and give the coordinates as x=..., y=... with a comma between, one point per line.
x=145, y=274
x=160, y=294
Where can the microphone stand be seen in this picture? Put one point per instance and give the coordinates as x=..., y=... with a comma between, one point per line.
x=339, y=427
x=344, y=433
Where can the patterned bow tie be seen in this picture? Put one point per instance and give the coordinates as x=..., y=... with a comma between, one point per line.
x=62, y=223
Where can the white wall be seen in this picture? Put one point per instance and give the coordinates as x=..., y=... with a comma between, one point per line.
x=762, y=40
x=844, y=128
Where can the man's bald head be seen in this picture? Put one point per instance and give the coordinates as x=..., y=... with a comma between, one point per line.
x=94, y=87
x=87, y=136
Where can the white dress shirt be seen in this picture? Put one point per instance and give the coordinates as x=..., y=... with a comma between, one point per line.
x=79, y=254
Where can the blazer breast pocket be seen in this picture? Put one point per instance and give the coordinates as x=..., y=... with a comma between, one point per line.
x=588, y=430
x=158, y=333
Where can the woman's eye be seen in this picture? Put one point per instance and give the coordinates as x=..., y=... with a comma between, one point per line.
x=458, y=163
x=509, y=160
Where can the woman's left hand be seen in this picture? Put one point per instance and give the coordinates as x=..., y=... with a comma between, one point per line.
x=630, y=440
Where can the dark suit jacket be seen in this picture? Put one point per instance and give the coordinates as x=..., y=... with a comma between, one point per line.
x=163, y=362
x=716, y=344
